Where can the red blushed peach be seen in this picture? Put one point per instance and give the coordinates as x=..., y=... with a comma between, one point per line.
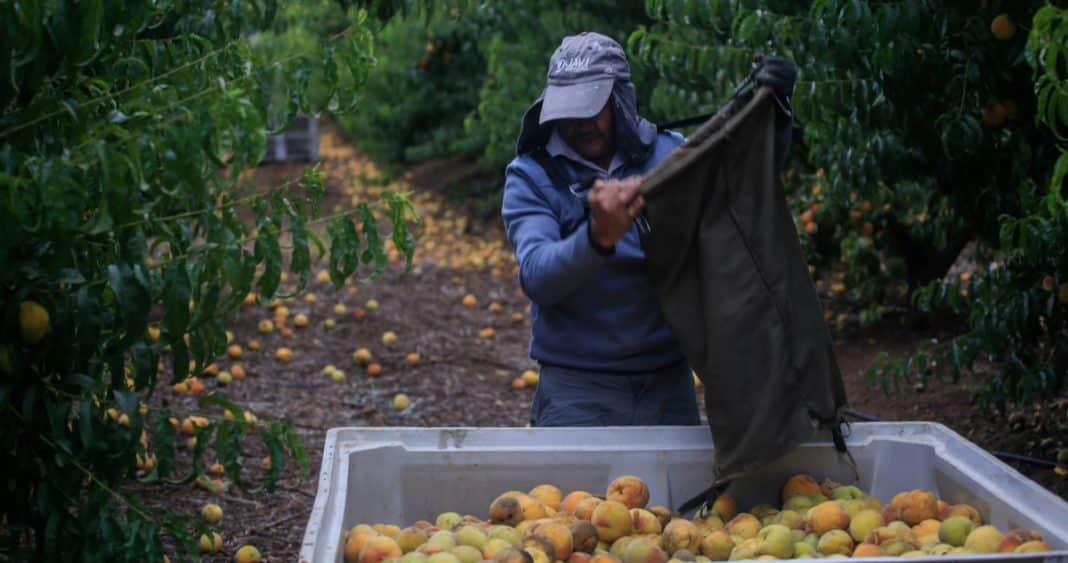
x=612, y=520
x=629, y=491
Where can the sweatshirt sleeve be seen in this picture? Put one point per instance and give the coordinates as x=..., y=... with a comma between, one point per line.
x=550, y=267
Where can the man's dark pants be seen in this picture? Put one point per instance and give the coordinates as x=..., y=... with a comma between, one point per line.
x=569, y=397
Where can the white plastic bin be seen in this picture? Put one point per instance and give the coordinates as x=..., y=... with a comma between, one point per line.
x=400, y=475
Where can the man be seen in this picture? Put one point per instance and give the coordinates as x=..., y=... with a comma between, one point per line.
x=607, y=356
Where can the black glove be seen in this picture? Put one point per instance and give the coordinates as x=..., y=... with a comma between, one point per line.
x=776, y=73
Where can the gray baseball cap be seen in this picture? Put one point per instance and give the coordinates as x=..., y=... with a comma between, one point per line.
x=581, y=74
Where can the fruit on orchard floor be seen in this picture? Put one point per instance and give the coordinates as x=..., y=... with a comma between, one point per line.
x=234, y=351
x=340, y=309
x=33, y=322
x=470, y=301
x=628, y=490
x=265, y=326
x=238, y=371
x=518, y=383
x=549, y=495
x=412, y=358
x=191, y=423
x=224, y=378
x=362, y=356
x=612, y=520
x=371, y=305
x=300, y=321
x=827, y=516
x=247, y=554
x=800, y=484
x=389, y=338
x=400, y=401
x=1003, y=27
x=210, y=543
x=329, y=324
x=211, y=513
x=217, y=469
x=984, y=539
x=253, y=345
x=283, y=354
x=487, y=332
x=530, y=377
x=374, y=369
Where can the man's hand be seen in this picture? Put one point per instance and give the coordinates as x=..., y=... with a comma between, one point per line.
x=613, y=206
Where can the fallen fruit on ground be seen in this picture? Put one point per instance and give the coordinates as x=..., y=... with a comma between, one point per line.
x=400, y=401
x=211, y=513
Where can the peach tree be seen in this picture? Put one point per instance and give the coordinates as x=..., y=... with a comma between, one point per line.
x=131, y=230
x=921, y=127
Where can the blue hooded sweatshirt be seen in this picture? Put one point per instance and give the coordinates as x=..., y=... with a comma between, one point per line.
x=590, y=310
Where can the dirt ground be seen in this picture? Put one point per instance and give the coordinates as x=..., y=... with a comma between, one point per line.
x=463, y=376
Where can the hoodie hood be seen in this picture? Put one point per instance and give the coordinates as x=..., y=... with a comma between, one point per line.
x=635, y=135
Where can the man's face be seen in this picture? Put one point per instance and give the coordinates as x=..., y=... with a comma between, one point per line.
x=593, y=138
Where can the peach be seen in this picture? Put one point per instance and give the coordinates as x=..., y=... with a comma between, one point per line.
x=466, y=554
x=409, y=539
x=835, y=541
x=579, y=557
x=513, y=555
x=965, y=510
x=584, y=509
x=548, y=495
x=447, y=520
x=869, y=550
x=828, y=516
x=717, y=545
x=438, y=542
x=644, y=522
x=984, y=539
x=801, y=484
x=745, y=525
x=790, y=519
x=533, y=509
x=493, y=546
x=762, y=511
x=378, y=549
x=571, y=501
x=390, y=530
x=583, y=536
x=354, y=544
x=559, y=536
x=663, y=513
x=927, y=527
x=470, y=535
x=619, y=546
x=776, y=540
x=628, y=490
x=916, y=506
x=1032, y=546
x=863, y=522
x=604, y=558
x=506, y=509
x=798, y=504
x=681, y=534
x=644, y=550
x=612, y=520
x=535, y=542
x=725, y=506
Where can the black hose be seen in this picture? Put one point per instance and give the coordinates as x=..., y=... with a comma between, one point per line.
x=1004, y=456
